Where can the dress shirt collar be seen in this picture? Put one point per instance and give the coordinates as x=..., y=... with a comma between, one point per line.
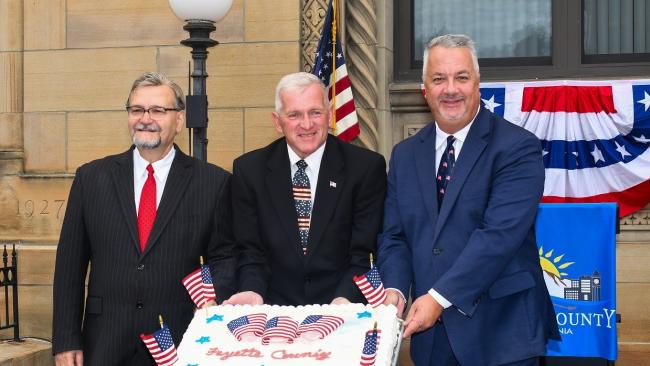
x=160, y=168
x=441, y=136
x=313, y=160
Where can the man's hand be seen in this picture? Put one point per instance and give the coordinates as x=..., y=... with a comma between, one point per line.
x=207, y=304
x=69, y=358
x=245, y=298
x=340, y=301
x=422, y=315
x=393, y=297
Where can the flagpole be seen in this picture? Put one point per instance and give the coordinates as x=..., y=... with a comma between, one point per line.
x=333, y=82
x=160, y=320
x=201, y=262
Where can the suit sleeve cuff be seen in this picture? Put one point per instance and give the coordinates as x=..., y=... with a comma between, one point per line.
x=439, y=298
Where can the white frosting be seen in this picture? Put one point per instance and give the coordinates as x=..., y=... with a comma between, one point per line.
x=208, y=341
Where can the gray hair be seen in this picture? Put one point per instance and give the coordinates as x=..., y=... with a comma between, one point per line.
x=298, y=81
x=450, y=41
x=151, y=78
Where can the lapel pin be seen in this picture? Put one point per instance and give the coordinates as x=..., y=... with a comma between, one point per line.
x=332, y=184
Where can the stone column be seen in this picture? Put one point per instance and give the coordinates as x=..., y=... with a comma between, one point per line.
x=11, y=87
x=361, y=58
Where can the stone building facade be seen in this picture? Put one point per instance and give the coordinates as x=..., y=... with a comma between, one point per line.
x=65, y=70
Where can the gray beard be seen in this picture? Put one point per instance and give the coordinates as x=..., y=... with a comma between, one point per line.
x=148, y=145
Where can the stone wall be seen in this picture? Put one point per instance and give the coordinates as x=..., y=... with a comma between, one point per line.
x=66, y=67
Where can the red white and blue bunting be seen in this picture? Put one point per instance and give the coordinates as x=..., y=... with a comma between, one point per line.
x=595, y=136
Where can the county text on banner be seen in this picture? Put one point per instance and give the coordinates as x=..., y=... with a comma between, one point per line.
x=577, y=252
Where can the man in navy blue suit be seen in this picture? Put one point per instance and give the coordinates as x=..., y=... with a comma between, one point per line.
x=459, y=226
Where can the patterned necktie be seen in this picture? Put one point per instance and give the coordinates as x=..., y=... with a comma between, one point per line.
x=302, y=199
x=147, y=208
x=445, y=168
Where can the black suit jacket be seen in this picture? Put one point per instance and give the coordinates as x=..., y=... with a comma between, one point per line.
x=346, y=218
x=127, y=289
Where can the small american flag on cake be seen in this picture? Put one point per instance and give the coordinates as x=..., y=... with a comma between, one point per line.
x=371, y=286
x=280, y=329
x=321, y=324
x=252, y=323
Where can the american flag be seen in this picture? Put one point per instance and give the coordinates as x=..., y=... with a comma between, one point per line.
x=252, y=323
x=369, y=352
x=199, y=285
x=595, y=136
x=371, y=286
x=280, y=328
x=161, y=346
x=347, y=124
x=321, y=324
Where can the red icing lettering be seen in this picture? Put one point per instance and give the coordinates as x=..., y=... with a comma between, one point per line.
x=319, y=355
x=224, y=355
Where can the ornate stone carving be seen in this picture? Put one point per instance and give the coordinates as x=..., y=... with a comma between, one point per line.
x=412, y=129
x=311, y=23
x=637, y=221
x=360, y=24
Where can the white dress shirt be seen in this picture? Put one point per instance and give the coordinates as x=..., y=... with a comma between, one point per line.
x=441, y=145
x=312, y=169
x=160, y=173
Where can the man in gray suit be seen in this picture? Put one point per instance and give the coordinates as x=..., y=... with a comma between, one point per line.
x=139, y=220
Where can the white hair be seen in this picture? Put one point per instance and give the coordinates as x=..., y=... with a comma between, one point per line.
x=298, y=81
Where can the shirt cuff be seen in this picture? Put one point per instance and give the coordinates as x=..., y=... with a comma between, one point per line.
x=439, y=298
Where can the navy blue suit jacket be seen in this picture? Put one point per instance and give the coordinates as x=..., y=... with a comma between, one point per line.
x=478, y=249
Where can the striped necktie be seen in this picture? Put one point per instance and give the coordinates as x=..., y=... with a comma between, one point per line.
x=302, y=199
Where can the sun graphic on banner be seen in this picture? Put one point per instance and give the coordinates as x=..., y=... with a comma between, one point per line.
x=553, y=268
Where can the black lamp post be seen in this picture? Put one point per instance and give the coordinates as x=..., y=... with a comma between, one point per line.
x=200, y=17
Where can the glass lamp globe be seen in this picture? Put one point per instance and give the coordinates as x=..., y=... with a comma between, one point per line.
x=213, y=10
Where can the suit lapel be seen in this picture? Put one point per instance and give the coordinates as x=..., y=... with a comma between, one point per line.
x=123, y=181
x=330, y=183
x=425, y=161
x=279, y=185
x=177, y=180
x=469, y=154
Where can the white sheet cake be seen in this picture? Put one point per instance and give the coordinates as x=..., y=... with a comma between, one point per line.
x=286, y=335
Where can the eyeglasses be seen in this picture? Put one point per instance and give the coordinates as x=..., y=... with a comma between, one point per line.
x=137, y=111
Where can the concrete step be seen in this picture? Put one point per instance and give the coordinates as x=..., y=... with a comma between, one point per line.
x=29, y=352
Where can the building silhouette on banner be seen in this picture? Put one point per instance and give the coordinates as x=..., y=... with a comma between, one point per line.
x=585, y=288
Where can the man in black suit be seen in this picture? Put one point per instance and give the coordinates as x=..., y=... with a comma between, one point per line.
x=306, y=208
x=141, y=219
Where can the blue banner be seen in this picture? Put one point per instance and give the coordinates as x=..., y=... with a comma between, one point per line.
x=577, y=252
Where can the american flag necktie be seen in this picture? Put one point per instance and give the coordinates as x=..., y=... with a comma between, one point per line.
x=445, y=168
x=302, y=199
x=147, y=208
